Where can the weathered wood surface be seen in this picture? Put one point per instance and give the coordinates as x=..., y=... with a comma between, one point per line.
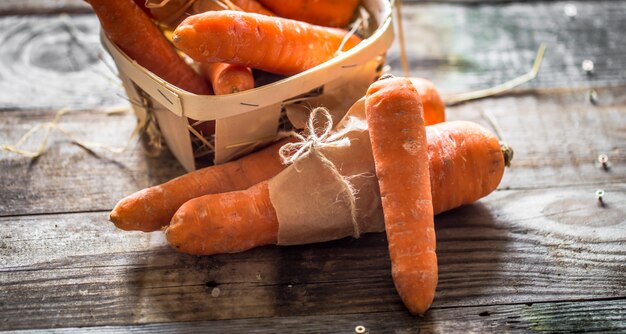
x=546, y=155
x=566, y=317
x=53, y=61
x=513, y=247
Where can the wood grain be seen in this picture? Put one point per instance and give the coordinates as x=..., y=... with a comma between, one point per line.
x=55, y=62
x=513, y=247
x=67, y=178
x=565, y=317
x=26, y=7
x=458, y=46
x=546, y=155
x=461, y=47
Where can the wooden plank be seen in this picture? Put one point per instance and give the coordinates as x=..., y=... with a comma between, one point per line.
x=607, y=316
x=513, y=247
x=463, y=48
x=55, y=62
x=557, y=137
x=459, y=47
x=67, y=178
x=29, y=7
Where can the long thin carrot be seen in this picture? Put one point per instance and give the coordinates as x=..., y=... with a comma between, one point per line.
x=131, y=29
x=396, y=125
x=152, y=208
x=465, y=160
x=271, y=44
x=330, y=13
x=149, y=209
x=431, y=101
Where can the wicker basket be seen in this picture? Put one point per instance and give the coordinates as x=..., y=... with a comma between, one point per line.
x=251, y=118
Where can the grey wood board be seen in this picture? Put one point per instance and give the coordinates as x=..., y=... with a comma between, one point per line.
x=557, y=137
x=463, y=48
x=564, y=317
x=56, y=61
x=30, y=7
x=512, y=247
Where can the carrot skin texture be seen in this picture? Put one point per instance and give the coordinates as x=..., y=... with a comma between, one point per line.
x=246, y=213
x=129, y=27
x=454, y=149
x=396, y=125
x=330, y=13
x=272, y=44
x=434, y=107
x=227, y=78
x=152, y=208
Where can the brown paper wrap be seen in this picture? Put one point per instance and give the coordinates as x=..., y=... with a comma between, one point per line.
x=311, y=204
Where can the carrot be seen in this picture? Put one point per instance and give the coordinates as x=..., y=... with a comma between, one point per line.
x=132, y=30
x=227, y=78
x=330, y=13
x=431, y=101
x=150, y=209
x=271, y=44
x=466, y=164
x=395, y=121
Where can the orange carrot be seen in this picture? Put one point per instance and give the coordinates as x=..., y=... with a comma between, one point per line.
x=431, y=100
x=132, y=30
x=271, y=44
x=466, y=164
x=227, y=78
x=152, y=208
x=395, y=121
x=330, y=13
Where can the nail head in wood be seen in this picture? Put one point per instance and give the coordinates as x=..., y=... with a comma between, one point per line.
x=588, y=66
x=360, y=329
x=603, y=159
x=570, y=10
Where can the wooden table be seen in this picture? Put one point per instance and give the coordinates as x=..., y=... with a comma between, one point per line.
x=539, y=254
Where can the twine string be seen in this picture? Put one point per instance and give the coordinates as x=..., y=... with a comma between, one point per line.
x=312, y=145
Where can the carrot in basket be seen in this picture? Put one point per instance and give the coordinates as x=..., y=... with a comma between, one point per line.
x=396, y=125
x=330, y=13
x=152, y=208
x=130, y=28
x=227, y=78
x=466, y=164
x=272, y=44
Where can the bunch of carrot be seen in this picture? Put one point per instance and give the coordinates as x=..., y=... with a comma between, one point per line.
x=424, y=165
x=228, y=38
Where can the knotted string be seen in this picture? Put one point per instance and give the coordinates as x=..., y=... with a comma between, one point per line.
x=312, y=145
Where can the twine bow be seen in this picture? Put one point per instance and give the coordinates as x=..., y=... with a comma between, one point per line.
x=311, y=145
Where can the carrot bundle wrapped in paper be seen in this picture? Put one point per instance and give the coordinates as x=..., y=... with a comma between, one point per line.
x=339, y=166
